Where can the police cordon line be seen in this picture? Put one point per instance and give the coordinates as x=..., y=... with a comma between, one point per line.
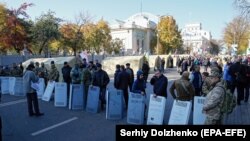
x=184, y=133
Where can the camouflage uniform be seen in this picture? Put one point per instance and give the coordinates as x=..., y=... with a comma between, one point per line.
x=214, y=101
x=53, y=73
x=37, y=68
x=43, y=73
x=16, y=72
x=75, y=75
x=206, y=86
x=86, y=78
x=6, y=71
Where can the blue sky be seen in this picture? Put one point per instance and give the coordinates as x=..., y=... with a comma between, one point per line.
x=213, y=14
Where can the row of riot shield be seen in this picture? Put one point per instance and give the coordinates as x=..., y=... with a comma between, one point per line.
x=180, y=112
x=115, y=106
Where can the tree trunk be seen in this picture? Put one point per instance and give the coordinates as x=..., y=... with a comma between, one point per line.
x=41, y=47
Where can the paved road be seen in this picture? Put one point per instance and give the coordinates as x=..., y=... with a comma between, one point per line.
x=59, y=123
x=62, y=124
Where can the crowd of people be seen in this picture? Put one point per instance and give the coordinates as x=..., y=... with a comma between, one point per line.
x=233, y=73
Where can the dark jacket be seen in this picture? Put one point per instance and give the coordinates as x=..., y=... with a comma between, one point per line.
x=160, y=85
x=116, y=78
x=139, y=85
x=123, y=80
x=145, y=69
x=235, y=69
x=100, y=79
x=196, y=79
x=131, y=75
x=170, y=62
x=66, y=74
x=184, y=66
x=178, y=62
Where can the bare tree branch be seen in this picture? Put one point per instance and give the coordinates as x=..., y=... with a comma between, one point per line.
x=243, y=6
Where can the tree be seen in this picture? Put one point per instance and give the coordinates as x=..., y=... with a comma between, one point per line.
x=73, y=33
x=82, y=20
x=55, y=46
x=29, y=40
x=169, y=34
x=104, y=35
x=3, y=17
x=153, y=43
x=46, y=29
x=237, y=32
x=69, y=35
x=115, y=46
x=13, y=33
x=243, y=6
x=93, y=37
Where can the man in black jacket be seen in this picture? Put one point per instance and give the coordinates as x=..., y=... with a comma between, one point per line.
x=117, y=71
x=145, y=69
x=66, y=75
x=160, y=84
x=123, y=82
x=131, y=75
x=237, y=71
x=101, y=80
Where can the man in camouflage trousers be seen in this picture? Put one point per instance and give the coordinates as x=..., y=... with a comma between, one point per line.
x=214, y=99
x=53, y=73
x=44, y=72
x=206, y=86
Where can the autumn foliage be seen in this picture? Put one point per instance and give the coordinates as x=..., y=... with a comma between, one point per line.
x=13, y=34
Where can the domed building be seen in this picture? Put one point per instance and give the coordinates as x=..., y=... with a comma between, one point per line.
x=135, y=32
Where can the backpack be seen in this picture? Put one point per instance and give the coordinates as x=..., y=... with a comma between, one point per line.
x=229, y=102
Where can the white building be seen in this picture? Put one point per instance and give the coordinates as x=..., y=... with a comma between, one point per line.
x=135, y=32
x=195, y=40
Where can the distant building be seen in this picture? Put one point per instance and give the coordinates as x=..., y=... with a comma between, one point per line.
x=195, y=40
x=135, y=32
